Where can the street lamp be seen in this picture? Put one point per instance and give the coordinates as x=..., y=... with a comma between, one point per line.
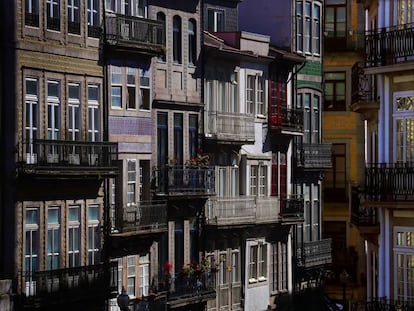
x=344, y=278
x=123, y=300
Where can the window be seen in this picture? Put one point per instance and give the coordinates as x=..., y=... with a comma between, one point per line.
x=144, y=88
x=31, y=17
x=194, y=236
x=405, y=12
x=335, y=91
x=311, y=120
x=161, y=33
x=192, y=43
x=93, y=113
x=404, y=264
x=307, y=212
x=177, y=39
x=131, y=187
x=74, y=236
x=116, y=87
x=215, y=19
x=53, y=238
x=258, y=180
x=73, y=17
x=336, y=176
x=111, y=5
x=316, y=214
x=279, y=267
x=32, y=117
x=178, y=138
x=193, y=135
x=255, y=95
x=335, y=21
x=53, y=109
x=53, y=14
x=235, y=266
x=404, y=127
x=178, y=246
x=131, y=87
x=257, y=262
x=223, y=269
x=94, y=242
x=32, y=239
x=162, y=138
x=278, y=102
x=93, y=18
x=74, y=111
x=144, y=277
x=131, y=274
x=308, y=28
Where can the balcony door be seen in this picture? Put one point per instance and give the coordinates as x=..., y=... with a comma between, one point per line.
x=404, y=127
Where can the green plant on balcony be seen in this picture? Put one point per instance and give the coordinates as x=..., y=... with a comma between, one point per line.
x=201, y=160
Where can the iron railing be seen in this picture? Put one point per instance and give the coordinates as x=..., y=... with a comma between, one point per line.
x=389, y=182
x=315, y=253
x=194, y=285
x=53, y=23
x=286, y=118
x=389, y=45
x=151, y=215
x=315, y=156
x=383, y=304
x=94, y=31
x=129, y=31
x=66, y=156
x=362, y=85
x=178, y=180
x=292, y=209
x=230, y=126
x=31, y=19
x=51, y=286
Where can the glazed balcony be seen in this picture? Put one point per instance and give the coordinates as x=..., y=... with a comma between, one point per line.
x=43, y=289
x=241, y=210
x=363, y=94
x=315, y=253
x=61, y=158
x=389, y=46
x=292, y=209
x=135, y=34
x=145, y=217
x=285, y=120
x=315, y=156
x=182, y=181
x=389, y=182
x=230, y=127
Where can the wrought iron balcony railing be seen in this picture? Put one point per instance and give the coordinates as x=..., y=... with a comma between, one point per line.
x=135, y=33
x=315, y=156
x=315, y=253
x=42, y=288
x=145, y=216
x=230, y=127
x=178, y=180
x=388, y=46
x=362, y=85
x=289, y=119
x=383, y=304
x=389, y=182
x=50, y=157
x=292, y=209
x=194, y=286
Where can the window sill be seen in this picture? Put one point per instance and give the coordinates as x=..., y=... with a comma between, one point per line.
x=262, y=279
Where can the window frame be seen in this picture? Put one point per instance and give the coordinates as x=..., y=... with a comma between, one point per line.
x=177, y=39
x=74, y=229
x=258, y=262
x=74, y=112
x=93, y=232
x=338, y=101
x=94, y=119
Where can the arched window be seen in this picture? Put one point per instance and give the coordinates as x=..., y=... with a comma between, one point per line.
x=177, y=39
x=161, y=33
x=192, y=43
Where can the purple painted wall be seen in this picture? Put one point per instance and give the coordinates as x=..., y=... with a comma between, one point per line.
x=269, y=17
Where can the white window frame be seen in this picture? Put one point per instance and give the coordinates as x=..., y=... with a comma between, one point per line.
x=131, y=275
x=31, y=228
x=93, y=236
x=51, y=5
x=131, y=73
x=256, y=94
x=131, y=191
x=73, y=11
x=73, y=231
x=32, y=7
x=308, y=27
x=94, y=114
x=144, y=275
x=257, y=261
x=144, y=89
x=32, y=104
x=92, y=11
x=406, y=115
x=223, y=277
x=405, y=251
x=74, y=113
x=53, y=114
x=53, y=228
x=116, y=72
x=216, y=13
x=258, y=181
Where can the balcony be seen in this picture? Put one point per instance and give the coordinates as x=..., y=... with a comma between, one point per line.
x=190, y=289
x=389, y=182
x=285, y=120
x=61, y=158
x=315, y=156
x=363, y=94
x=43, y=289
x=389, y=46
x=292, y=209
x=137, y=34
x=182, y=181
x=230, y=127
x=315, y=253
x=144, y=217
x=383, y=304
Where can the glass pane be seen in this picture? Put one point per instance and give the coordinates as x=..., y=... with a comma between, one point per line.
x=31, y=86
x=93, y=213
x=53, y=216
x=32, y=216
x=74, y=214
